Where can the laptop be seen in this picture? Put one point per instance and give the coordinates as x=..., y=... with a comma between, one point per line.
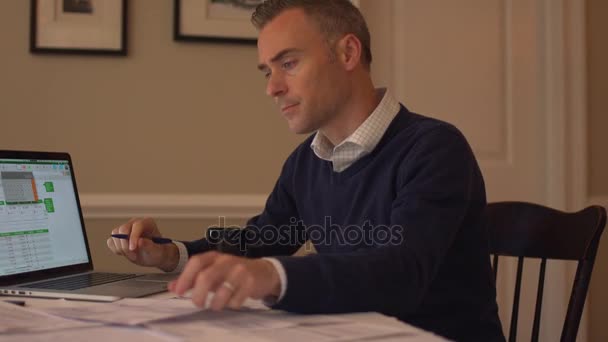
x=44, y=250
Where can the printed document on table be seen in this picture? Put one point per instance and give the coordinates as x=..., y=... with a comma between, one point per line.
x=17, y=319
x=129, y=311
x=230, y=320
x=93, y=334
x=342, y=332
x=281, y=326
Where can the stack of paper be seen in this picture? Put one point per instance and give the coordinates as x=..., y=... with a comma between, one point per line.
x=129, y=311
x=179, y=320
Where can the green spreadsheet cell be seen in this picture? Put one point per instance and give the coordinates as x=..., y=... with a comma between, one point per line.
x=49, y=186
x=48, y=203
x=25, y=232
x=24, y=202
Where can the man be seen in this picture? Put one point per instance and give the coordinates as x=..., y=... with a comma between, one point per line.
x=371, y=166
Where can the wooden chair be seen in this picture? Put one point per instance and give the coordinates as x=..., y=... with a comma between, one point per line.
x=527, y=230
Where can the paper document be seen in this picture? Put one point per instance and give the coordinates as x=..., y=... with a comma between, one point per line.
x=343, y=332
x=129, y=311
x=195, y=330
x=279, y=326
x=19, y=320
x=229, y=320
x=152, y=320
x=94, y=334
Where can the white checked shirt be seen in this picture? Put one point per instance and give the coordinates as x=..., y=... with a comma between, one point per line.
x=363, y=140
x=360, y=143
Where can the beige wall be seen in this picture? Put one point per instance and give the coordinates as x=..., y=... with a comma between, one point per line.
x=597, y=55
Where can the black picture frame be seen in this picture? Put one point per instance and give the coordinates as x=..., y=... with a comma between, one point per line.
x=64, y=35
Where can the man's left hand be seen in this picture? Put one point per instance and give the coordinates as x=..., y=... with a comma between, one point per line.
x=232, y=278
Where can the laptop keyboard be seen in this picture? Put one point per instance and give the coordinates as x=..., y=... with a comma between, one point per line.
x=80, y=281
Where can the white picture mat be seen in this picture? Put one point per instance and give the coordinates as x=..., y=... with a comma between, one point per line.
x=195, y=21
x=100, y=30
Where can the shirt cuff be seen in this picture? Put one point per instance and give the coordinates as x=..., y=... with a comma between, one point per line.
x=183, y=257
x=270, y=301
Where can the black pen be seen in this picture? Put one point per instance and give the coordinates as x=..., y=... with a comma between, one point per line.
x=157, y=240
x=16, y=302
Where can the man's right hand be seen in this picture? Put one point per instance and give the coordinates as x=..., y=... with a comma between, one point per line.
x=139, y=249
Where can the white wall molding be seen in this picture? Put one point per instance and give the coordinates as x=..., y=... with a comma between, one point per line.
x=174, y=206
x=598, y=200
x=574, y=90
x=576, y=104
x=552, y=27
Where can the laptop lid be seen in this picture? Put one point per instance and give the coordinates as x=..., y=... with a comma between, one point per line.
x=42, y=233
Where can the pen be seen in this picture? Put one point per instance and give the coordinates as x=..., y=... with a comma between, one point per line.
x=157, y=240
x=16, y=302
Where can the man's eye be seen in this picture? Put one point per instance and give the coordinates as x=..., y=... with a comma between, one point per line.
x=289, y=64
x=267, y=75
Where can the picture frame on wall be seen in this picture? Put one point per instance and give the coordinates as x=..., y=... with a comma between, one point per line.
x=89, y=27
x=222, y=21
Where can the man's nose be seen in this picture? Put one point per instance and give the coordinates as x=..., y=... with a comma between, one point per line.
x=276, y=86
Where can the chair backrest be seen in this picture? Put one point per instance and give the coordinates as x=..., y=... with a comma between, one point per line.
x=521, y=230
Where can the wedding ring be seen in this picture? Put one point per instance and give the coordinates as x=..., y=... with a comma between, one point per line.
x=228, y=286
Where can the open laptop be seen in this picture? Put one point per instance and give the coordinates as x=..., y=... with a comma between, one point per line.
x=44, y=250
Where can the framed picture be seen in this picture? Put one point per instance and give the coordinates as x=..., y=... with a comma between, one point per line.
x=225, y=21
x=79, y=27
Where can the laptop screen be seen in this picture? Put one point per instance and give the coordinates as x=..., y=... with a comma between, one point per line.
x=40, y=226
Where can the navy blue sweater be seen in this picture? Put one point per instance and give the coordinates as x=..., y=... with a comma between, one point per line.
x=399, y=232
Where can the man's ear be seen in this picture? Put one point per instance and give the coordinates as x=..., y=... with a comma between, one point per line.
x=349, y=51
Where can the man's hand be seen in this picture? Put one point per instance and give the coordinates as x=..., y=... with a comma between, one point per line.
x=139, y=249
x=232, y=278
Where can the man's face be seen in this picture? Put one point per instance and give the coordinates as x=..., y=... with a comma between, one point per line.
x=307, y=83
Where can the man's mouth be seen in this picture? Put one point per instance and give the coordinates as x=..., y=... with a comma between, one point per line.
x=288, y=107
